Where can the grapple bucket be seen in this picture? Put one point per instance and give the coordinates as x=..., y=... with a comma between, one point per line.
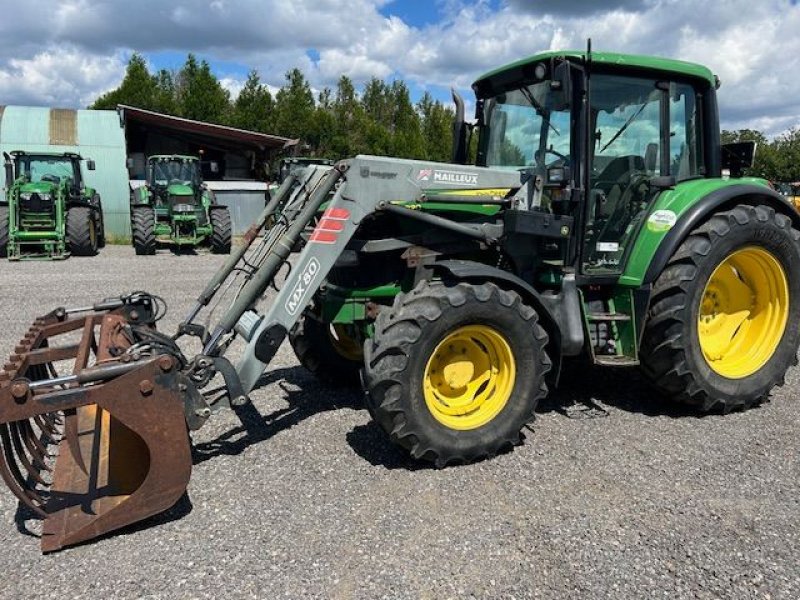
x=97, y=447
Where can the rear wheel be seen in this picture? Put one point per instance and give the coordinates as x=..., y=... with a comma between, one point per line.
x=453, y=373
x=328, y=351
x=221, y=230
x=3, y=231
x=143, y=225
x=722, y=326
x=81, y=231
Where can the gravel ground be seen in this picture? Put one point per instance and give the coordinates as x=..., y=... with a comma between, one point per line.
x=614, y=493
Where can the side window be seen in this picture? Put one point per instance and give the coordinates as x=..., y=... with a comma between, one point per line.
x=685, y=138
x=626, y=154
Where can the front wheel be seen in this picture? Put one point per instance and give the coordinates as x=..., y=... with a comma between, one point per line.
x=81, y=231
x=220, y=230
x=722, y=326
x=4, y=226
x=453, y=373
x=328, y=351
x=143, y=228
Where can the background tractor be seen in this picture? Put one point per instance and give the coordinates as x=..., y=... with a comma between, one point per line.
x=595, y=225
x=175, y=207
x=48, y=211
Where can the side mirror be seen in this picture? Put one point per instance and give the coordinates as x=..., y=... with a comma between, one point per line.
x=90, y=165
x=459, y=130
x=213, y=166
x=738, y=156
x=129, y=163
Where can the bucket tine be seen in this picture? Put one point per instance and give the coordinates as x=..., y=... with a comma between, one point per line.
x=32, y=439
x=9, y=471
x=25, y=432
x=47, y=428
x=23, y=457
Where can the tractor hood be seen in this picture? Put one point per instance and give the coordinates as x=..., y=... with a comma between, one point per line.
x=38, y=187
x=180, y=189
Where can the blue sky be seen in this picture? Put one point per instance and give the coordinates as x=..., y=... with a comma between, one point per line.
x=67, y=52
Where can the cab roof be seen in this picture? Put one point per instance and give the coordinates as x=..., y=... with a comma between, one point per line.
x=614, y=59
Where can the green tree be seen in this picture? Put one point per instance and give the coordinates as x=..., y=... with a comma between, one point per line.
x=138, y=88
x=294, y=108
x=437, y=128
x=407, y=141
x=200, y=94
x=164, y=99
x=254, y=106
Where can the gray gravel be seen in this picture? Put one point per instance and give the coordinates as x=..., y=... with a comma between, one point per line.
x=628, y=498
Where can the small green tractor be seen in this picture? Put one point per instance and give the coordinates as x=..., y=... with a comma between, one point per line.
x=175, y=207
x=48, y=212
x=601, y=220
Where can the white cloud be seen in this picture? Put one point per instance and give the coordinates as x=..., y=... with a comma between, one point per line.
x=753, y=46
x=59, y=77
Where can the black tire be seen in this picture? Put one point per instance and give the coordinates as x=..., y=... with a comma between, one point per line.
x=101, y=225
x=81, y=231
x=143, y=226
x=220, y=230
x=316, y=350
x=406, y=337
x=3, y=231
x=671, y=354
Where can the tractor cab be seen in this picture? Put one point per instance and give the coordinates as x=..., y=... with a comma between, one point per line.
x=174, y=179
x=598, y=140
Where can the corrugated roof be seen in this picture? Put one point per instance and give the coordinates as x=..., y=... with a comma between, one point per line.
x=239, y=137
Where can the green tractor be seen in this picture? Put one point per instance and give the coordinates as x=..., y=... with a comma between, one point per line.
x=595, y=224
x=176, y=207
x=48, y=211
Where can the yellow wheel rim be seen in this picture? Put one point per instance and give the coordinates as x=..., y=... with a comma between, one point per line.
x=469, y=377
x=345, y=344
x=743, y=312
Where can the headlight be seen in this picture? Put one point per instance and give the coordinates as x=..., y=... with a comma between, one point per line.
x=44, y=196
x=183, y=208
x=25, y=196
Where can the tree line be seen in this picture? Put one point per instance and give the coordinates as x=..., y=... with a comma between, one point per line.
x=334, y=123
x=342, y=122
x=776, y=160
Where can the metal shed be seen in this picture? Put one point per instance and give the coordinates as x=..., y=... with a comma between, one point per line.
x=95, y=134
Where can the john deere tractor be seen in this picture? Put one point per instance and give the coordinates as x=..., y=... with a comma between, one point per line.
x=595, y=223
x=48, y=212
x=176, y=207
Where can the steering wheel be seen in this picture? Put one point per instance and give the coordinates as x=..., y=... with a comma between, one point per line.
x=51, y=178
x=541, y=155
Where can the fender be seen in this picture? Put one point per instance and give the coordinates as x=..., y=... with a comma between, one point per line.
x=721, y=198
x=560, y=313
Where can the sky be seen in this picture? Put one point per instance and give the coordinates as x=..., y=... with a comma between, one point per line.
x=65, y=53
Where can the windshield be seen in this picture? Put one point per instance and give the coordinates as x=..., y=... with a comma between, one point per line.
x=46, y=168
x=166, y=172
x=527, y=127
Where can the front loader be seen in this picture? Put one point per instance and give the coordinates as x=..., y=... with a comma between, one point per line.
x=48, y=211
x=594, y=225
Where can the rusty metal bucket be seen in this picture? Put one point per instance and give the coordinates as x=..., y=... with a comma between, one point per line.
x=100, y=447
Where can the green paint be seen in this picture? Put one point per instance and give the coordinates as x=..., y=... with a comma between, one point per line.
x=678, y=201
x=36, y=234
x=614, y=59
x=180, y=228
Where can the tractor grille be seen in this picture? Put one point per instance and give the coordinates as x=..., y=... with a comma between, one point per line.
x=36, y=203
